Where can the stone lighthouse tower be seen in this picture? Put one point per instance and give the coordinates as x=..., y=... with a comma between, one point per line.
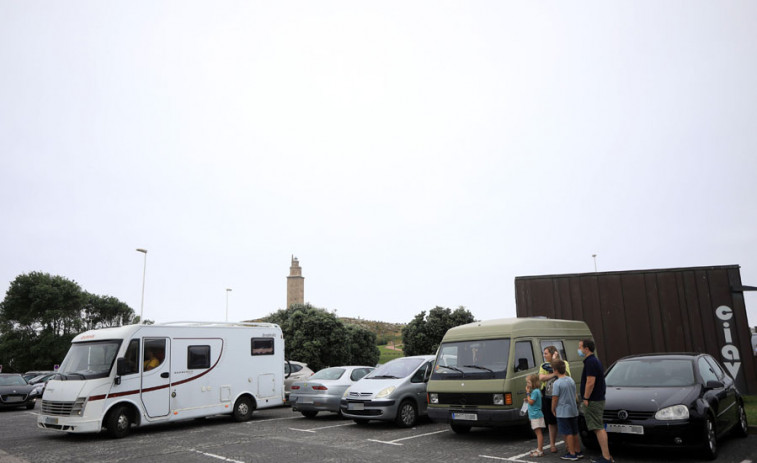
x=295, y=284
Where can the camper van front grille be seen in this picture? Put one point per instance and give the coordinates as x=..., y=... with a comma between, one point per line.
x=452, y=398
x=57, y=408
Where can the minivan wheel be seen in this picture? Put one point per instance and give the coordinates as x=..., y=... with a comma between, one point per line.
x=407, y=415
x=118, y=422
x=460, y=428
x=710, y=439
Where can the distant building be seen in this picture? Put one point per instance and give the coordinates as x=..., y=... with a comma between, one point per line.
x=295, y=284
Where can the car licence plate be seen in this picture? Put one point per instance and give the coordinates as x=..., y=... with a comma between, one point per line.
x=14, y=398
x=625, y=429
x=465, y=416
x=305, y=400
x=51, y=420
x=355, y=406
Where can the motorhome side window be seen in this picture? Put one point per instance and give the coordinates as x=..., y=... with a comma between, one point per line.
x=198, y=357
x=155, y=353
x=132, y=357
x=524, y=356
x=262, y=346
x=544, y=343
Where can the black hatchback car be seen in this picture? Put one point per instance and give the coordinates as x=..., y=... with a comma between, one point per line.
x=670, y=400
x=16, y=392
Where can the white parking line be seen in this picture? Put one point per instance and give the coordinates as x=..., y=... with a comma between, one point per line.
x=517, y=458
x=272, y=419
x=394, y=442
x=318, y=429
x=218, y=457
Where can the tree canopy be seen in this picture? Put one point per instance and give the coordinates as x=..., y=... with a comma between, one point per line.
x=41, y=313
x=320, y=339
x=423, y=335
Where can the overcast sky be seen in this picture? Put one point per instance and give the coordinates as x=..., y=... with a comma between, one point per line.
x=409, y=153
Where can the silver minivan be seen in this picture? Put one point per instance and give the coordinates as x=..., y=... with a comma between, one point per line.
x=395, y=391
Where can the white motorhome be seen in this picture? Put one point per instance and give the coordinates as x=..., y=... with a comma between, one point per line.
x=137, y=375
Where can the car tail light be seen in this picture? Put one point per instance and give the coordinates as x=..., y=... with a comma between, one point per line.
x=295, y=387
x=320, y=388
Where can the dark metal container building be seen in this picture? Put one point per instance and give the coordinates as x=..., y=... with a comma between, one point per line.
x=696, y=309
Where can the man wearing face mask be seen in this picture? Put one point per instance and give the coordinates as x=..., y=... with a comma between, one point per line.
x=593, y=396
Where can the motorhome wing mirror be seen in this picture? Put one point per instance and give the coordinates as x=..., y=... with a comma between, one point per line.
x=122, y=367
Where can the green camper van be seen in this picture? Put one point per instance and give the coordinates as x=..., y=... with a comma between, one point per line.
x=479, y=377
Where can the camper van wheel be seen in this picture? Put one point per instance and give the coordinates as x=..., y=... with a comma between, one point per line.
x=460, y=428
x=243, y=409
x=309, y=413
x=406, y=414
x=118, y=422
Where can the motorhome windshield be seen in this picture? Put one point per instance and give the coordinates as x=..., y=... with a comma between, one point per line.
x=89, y=360
x=480, y=359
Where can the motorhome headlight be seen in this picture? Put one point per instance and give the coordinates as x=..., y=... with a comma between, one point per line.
x=78, y=408
x=498, y=399
x=385, y=392
x=433, y=398
x=676, y=412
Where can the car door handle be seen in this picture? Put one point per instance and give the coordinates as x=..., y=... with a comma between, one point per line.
x=164, y=374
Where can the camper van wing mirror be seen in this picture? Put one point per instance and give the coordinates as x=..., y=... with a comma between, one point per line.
x=122, y=367
x=522, y=365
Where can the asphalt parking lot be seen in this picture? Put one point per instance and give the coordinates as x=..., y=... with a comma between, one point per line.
x=280, y=435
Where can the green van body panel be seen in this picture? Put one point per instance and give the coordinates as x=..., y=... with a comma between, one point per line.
x=472, y=395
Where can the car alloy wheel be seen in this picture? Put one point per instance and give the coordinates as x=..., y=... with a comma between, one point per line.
x=406, y=415
x=742, y=427
x=711, y=443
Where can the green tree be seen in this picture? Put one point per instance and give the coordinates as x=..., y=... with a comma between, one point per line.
x=423, y=334
x=313, y=336
x=41, y=313
x=106, y=311
x=363, y=349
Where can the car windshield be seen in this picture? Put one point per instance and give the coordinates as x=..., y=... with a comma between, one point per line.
x=88, y=360
x=12, y=381
x=398, y=368
x=328, y=373
x=651, y=373
x=472, y=359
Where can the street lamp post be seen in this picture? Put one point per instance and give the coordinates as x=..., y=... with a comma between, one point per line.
x=144, y=271
x=595, y=262
x=227, y=303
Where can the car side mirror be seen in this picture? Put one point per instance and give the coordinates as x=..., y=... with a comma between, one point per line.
x=713, y=385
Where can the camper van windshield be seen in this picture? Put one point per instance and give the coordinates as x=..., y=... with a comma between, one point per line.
x=480, y=359
x=89, y=360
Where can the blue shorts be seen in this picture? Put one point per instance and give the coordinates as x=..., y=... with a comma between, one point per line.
x=567, y=426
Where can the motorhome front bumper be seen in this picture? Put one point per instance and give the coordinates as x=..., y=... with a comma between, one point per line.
x=62, y=423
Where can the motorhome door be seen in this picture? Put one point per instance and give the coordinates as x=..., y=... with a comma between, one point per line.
x=156, y=376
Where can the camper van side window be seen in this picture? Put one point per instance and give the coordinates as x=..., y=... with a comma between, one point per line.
x=524, y=356
x=198, y=357
x=544, y=343
x=262, y=346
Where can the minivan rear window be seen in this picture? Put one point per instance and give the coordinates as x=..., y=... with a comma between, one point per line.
x=480, y=359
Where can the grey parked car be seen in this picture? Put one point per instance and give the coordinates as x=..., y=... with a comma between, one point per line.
x=323, y=391
x=395, y=391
